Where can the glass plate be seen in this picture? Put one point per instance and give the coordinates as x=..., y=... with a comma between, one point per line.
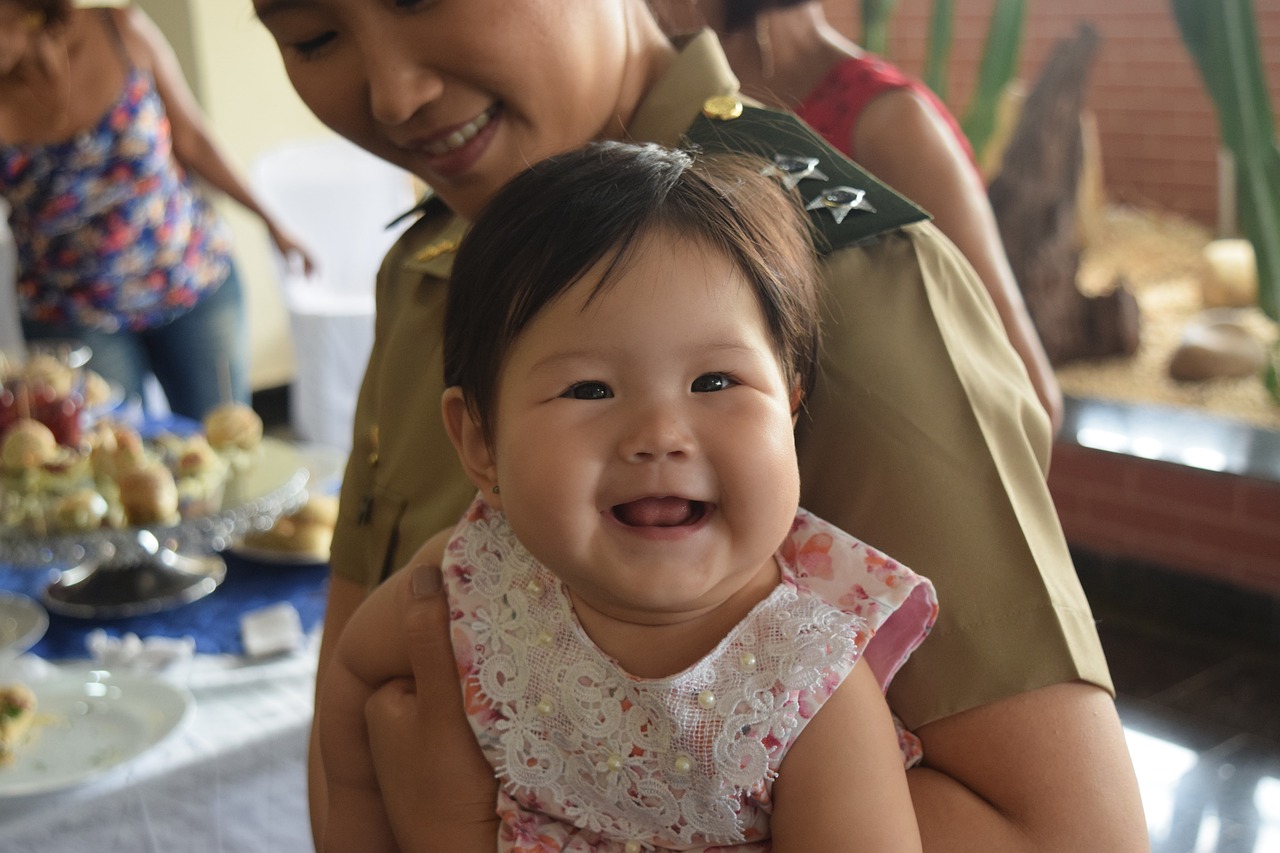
x=22, y=623
x=89, y=723
x=273, y=485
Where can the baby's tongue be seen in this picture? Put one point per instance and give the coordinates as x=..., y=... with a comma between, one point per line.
x=654, y=512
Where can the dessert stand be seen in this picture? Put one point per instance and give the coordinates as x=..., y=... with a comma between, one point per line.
x=108, y=574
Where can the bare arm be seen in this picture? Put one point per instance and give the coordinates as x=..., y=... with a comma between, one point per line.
x=419, y=723
x=1044, y=771
x=902, y=140
x=405, y=706
x=370, y=651
x=842, y=786
x=193, y=144
x=343, y=599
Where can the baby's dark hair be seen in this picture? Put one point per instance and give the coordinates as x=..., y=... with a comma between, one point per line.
x=550, y=225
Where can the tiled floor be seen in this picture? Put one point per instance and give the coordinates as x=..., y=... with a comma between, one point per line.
x=1197, y=672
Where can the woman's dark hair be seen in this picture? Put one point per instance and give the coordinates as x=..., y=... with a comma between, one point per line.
x=546, y=228
x=739, y=14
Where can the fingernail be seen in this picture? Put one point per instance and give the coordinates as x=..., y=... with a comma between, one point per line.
x=425, y=580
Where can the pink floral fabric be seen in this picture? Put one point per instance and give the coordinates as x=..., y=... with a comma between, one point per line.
x=591, y=758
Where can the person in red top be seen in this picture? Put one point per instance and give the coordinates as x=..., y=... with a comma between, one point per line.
x=786, y=54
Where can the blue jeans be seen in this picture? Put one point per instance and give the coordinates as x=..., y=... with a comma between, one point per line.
x=193, y=357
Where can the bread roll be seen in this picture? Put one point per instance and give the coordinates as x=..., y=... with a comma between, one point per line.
x=149, y=495
x=28, y=444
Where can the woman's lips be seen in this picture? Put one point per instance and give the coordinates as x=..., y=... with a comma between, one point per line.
x=457, y=152
x=660, y=512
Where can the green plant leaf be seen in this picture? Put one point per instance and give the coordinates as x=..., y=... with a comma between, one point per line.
x=999, y=65
x=875, y=25
x=1222, y=38
x=938, y=61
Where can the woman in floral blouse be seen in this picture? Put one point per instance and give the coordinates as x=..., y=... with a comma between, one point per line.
x=100, y=143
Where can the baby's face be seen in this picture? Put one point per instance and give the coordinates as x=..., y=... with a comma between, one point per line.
x=643, y=441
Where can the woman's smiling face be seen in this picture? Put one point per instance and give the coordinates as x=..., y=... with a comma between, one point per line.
x=466, y=93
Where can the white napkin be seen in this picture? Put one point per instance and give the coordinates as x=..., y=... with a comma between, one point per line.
x=131, y=652
x=272, y=630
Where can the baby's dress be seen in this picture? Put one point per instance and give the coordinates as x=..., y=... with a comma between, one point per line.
x=591, y=758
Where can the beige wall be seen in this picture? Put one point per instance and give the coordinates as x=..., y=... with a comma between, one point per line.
x=234, y=69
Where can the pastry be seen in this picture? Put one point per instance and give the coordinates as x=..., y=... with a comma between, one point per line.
x=27, y=445
x=201, y=475
x=96, y=390
x=319, y=509
x=81, y=510
x=233, y=426
x=17, y=715
x=307, y=532
x=45, y=369
x=149, y=495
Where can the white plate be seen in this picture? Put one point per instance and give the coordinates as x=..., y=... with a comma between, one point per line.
x=89, y=723
x=22, y=623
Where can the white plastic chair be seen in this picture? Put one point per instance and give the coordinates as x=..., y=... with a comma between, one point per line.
x=10, y=329
x=338, y=199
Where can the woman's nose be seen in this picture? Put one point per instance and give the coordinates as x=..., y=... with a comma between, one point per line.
x=399, y=86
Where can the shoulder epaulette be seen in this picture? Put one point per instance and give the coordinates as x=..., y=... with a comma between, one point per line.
x=848, y=205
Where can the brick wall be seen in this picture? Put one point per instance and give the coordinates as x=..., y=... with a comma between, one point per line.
x=1158, y=130
x=1219, y=526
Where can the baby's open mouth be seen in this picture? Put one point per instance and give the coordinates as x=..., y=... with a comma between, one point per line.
x=660, y=512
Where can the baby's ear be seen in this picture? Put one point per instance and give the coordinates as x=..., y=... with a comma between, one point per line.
x=797, y=402
x=469, y=441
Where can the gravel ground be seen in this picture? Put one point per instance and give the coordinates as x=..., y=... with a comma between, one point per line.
x=1159, y=256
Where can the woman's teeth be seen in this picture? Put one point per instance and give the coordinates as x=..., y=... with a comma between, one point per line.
x=462, y=135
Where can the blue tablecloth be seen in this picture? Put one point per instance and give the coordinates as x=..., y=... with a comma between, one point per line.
x=214, y=621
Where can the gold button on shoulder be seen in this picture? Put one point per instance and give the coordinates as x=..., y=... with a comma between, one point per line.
x=373, y=443
x=722, y=107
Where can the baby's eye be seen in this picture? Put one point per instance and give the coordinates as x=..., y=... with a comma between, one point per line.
x=588, y=391
x=712, y=382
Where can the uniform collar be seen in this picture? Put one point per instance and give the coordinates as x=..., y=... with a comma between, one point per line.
x=699, y=71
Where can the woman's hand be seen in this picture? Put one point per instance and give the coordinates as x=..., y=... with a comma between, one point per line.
x=438, y=789
x=290, y=248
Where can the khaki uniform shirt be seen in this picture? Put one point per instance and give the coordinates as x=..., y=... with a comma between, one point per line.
x=924, y=438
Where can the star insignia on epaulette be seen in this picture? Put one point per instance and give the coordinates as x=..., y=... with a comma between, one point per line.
x=841, y=201
x=792, y=170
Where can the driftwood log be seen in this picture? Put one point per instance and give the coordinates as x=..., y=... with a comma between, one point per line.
x=1034, y=197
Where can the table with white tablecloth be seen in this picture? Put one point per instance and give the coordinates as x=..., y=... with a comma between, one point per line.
x=230, y=779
